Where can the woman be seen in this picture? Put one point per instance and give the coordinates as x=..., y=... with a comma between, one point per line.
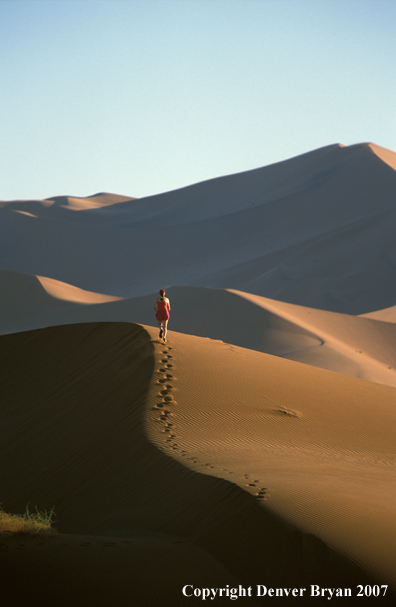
x=162, y=308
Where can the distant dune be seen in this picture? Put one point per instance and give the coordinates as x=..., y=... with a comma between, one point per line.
x=387, y=315
x=316, y=230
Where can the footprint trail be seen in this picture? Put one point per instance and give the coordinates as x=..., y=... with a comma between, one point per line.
x=166, y=416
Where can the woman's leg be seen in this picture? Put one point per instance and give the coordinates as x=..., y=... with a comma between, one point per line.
x=165, y=323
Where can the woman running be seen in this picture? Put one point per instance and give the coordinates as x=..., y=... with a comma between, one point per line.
x=162, y=308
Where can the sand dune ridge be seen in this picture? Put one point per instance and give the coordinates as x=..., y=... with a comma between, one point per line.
x=295, y=231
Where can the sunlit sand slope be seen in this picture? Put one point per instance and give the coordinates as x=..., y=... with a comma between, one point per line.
x=194, y=462
x=315, y=447
x=386, y=315
x=348, y=344
x=31, y=302
x=356, y=346
x=316, y=230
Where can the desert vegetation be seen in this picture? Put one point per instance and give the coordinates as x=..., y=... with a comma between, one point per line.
x=29, y=523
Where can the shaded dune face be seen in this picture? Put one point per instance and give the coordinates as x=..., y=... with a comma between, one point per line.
x=75, y=404
x=316, y=230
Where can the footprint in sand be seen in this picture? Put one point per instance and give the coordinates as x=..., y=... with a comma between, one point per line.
x=262, y=493
x=166, y=381
x=288, y=412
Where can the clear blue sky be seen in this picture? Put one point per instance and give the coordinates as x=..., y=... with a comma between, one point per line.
x=138, y=97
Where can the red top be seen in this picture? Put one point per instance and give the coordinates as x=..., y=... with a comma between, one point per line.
x=162, y=304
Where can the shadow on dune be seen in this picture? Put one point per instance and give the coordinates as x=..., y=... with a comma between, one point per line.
x=134, y=525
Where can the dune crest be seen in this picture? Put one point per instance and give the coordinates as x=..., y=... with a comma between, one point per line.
x=386, y=315
x=62, y=291
x=385, y=155
x=96, y=201
x=295, y=231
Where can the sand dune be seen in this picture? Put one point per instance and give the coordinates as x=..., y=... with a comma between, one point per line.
x=30, y=302
x=356, y=346
x=385, y=155
x=193, y=463
x=311, y=443
x=217, y=459
x=387, y=315
x=42, y=293
x=63, y=292
x=351, y=345
x=296, y=231
x=39, y=208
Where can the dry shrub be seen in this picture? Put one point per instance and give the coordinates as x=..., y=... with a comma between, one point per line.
x=29, y=523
